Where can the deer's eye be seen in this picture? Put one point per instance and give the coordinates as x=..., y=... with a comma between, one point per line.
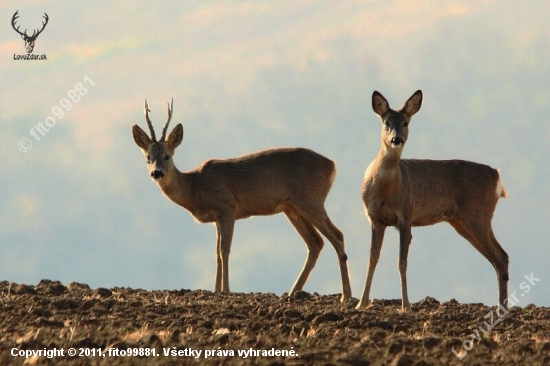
x=406, y=124
x=148, y=158
x=167, y=157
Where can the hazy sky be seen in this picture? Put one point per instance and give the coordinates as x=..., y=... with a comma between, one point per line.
x=249, y=75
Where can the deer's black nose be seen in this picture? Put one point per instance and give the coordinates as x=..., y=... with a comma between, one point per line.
x=157, y=174
x=397, y=140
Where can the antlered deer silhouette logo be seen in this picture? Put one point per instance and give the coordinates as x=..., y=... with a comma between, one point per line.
x=29, y=40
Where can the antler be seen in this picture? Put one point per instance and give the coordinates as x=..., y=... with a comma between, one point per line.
x=34, y=34
x=43, y=26
x=153, y=137
x=13, y=19
x=163, y=135
x=170, y=108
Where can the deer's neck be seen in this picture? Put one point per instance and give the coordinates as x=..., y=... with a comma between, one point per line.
x=388, y=160
x=177, y=187
x=385, y=174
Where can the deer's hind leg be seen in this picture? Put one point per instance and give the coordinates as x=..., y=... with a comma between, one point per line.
x=319, y=219
x=314, y=244
x=480, y=234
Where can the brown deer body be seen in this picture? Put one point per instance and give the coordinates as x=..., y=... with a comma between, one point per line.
x=407, y=193
x=295, y=181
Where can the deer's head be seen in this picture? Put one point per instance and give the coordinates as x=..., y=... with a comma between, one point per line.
x=159, y=153
x=395, y=124
x=29, y=40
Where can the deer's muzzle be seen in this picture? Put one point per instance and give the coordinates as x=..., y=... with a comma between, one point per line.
x=397, y=141
x=157, y=174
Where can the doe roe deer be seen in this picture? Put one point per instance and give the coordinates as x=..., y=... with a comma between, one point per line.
x=406, y=192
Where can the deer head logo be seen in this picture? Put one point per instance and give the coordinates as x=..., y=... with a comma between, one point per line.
x=29, y=40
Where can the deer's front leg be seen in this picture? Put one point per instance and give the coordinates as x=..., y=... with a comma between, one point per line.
x=405, y=238
x=377, y=237
x=224, y=225
x=218, y=286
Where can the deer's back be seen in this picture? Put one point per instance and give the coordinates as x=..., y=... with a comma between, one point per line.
x=425, y=192
x=262, y=183
x=443, y=189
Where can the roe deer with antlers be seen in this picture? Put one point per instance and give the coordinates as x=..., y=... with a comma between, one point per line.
x=295, y=181
x=406, y=193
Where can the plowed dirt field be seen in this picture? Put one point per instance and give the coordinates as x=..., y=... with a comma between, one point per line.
x=185, y=327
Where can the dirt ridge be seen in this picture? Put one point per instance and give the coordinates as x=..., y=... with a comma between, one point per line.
x=261, y=328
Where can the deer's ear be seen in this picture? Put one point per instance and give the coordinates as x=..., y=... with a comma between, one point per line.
x=413, y=104
x=380, y=105
x=140, y=137
x=175, y=137
x=23, y=37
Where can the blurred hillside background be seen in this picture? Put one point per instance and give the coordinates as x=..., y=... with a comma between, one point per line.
x=249, y=75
